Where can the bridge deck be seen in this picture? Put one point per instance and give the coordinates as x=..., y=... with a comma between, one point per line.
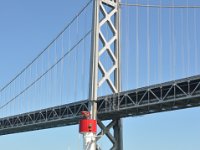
x=174, y=95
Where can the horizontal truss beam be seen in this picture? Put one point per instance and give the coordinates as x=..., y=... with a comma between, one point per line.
x=174, y=95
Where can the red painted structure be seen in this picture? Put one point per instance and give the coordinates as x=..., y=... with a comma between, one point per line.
x=87, y=125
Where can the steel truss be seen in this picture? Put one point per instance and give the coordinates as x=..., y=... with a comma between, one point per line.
x=179, y=94
x=174, y=95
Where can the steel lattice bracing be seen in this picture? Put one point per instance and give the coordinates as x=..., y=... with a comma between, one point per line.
x=114, y=56
x=106, y=14
x=98, y=52
x=175, y=95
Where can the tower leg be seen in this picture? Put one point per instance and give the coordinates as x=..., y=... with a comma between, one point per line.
x=118, y=135
x=110, y=10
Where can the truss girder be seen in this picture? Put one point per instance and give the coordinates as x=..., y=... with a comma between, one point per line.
x=180, y=94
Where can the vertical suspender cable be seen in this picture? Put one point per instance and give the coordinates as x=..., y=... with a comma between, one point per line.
x=173, y=42
x=53, y=73
x=83, y=70
x=58, y=72
x=2, y=99
x=62, y=70
x=37, y=90
x=75, y=74
x=25, y=93
x=7, y=99
x=48, y=88
x=29, y=101
x=69, y=67
x=42, y=82
x=9, y=106
x=57, y=77
x=46, y=80
x=34, y=101
x=51, y=85
x=5, y=96
x=182, y=44
x=84, y=60
x=56, y=80
x=45, y=86
x=54, y=88
x=137, y=46
x=10, y=98
x=20, y=89
x=160, y=41
x=41, y=89
x=37, y=101
x=148, y=45
x=127, y=46
x=81, y=57
x=76, y=61
x=188, y=41
x=195, y=40
x=3, y=103
x=170, y=44
x=39, y=84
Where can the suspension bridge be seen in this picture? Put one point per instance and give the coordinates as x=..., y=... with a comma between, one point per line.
x=114, y=59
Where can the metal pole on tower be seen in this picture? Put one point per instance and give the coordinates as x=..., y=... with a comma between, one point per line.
x=89, y=138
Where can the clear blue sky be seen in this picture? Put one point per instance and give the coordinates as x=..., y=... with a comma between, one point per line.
x=26, y=27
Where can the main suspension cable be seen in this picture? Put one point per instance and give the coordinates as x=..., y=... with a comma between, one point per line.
x=158, y=6
x=44, y=50
x=48, y=70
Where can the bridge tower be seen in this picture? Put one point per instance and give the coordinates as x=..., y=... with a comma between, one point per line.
x=110, y=15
